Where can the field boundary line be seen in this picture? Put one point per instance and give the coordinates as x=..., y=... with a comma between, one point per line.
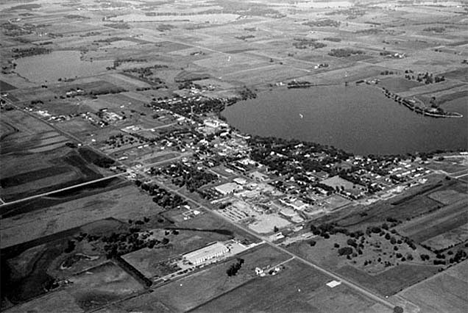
x=60, y=190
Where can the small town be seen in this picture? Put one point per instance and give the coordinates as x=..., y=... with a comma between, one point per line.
x=233, y=156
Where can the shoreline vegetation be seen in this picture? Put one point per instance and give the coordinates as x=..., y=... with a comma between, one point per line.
x=412, y=104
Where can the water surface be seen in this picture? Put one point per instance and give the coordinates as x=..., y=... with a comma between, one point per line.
x=357, y=119
x=58, y=64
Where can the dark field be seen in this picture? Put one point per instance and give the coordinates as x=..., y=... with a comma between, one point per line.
x=10, y=210
x=5, y=86
x=20, y=179
x=21, y=283
x=439, y=222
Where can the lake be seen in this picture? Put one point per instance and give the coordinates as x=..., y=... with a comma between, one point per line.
x=58, y=64
x=357, y=119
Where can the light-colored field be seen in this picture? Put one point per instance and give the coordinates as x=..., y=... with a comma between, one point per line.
x=336, y=201
x=446, y=292
x=125, y=81
x=447, y=196
x=265, y=74
x=200, y=18
x=232, y=62
x=265, y=223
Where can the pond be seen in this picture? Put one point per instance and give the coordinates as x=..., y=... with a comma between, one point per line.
x=58, y=64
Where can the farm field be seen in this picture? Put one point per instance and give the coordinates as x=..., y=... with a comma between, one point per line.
x=452, y=284
x=189, y=292
x=297, y=288
x=40, y=159
x=96, y=96
x=414, y=203
x=434, y=224
x=51, y=219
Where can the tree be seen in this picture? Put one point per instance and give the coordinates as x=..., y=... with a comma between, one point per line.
x=345, y=251
x=351, y=242
x=398, y=309
x=275, y=229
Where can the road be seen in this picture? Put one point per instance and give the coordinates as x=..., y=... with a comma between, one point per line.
x=354, y=286
x=212, y=212
x=68, y=135
x=62, y=189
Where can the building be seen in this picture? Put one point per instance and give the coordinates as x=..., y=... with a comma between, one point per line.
x=214, y=123
x=258, y=176
x=207, y=253
x=228, y=188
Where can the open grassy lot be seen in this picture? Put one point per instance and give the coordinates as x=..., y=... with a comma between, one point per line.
x=445, y=292
x=297, y=288
x=336, y=201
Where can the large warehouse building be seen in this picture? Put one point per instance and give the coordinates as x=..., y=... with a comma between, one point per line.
x=206, y=253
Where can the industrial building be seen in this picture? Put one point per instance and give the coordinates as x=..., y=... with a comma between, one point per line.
x=204, y=254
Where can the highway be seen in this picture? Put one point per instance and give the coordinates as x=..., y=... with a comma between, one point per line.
x=352, y=285
x=348, y=283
